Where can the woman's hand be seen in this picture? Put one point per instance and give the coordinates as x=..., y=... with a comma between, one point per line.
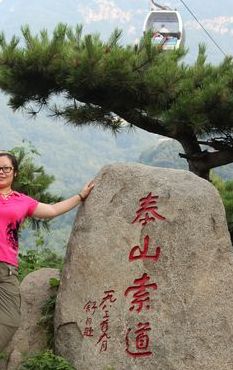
x=87, y=189
x=44, y=210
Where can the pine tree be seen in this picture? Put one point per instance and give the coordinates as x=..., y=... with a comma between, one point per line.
x=225, y=189
x=33, y=181
x=107, y=84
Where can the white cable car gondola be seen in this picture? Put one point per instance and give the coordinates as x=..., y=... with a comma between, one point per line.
x=166, y=25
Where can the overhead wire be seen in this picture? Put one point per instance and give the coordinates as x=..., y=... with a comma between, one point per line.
x=159, y=6
x=204, y=29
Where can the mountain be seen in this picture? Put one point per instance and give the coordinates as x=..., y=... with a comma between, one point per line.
x=72, y=155
x=166, y=154
x=76, y=155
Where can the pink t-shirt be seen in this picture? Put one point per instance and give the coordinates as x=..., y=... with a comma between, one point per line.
x=13, y=211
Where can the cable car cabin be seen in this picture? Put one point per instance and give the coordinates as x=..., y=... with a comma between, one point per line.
x=167, y=28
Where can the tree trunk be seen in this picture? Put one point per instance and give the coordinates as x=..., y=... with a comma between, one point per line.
x=194, y=155
x=200, y=171
x=201, y=161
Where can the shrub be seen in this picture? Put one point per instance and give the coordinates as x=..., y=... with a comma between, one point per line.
x=33, y=260
x=46, y=361
x=48, y=309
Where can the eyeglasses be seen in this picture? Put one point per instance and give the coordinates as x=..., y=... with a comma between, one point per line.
x=6, y=169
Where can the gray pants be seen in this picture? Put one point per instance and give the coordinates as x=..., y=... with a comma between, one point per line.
x=6, y=333
x=9, y=303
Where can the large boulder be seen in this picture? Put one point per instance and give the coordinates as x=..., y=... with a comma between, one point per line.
x=31, y=337
x=148, y=275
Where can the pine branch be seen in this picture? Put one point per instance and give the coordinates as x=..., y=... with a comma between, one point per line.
x=208, y=160
x=29, y=39
x=114, y=38
x=219, y=143
x=84, y=114
x=199, y=156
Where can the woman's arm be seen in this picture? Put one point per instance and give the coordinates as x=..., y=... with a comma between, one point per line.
x=52, y=210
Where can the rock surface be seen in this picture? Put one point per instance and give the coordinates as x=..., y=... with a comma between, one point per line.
x=30, y=337
x=147, y=282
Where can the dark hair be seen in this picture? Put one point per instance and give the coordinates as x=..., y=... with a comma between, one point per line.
x=12, y=158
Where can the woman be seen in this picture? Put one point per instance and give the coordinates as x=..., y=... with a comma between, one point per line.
x=14, y=208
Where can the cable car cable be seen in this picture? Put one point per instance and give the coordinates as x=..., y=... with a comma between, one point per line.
x=158, y=6
x=208, y=34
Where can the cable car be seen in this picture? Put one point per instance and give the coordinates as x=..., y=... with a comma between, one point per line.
x=166, y=25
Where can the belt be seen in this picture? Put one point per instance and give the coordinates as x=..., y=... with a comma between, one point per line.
x=12, y=270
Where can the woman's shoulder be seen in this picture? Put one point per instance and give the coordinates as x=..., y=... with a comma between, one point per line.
x=22, y=196
x=19, y=194
x=25, y=202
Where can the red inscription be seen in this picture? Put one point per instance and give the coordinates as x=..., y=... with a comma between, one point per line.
x=104, y=325
x=141, y=296
x=137, y=253
x=89, y=321
x=141, y=342
x=90, y=307
x=108, y=297
x=148, y=210
x=104, y=336
x=104, y=346
x=137, y=341
x=106, y=316
x=88, y=330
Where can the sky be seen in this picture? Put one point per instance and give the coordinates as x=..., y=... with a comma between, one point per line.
x=216, y=17
x=102, y=16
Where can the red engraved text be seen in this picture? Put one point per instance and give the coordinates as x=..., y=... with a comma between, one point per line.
x=108, y=298
x=148, y=210
x=138, y=253
x=138, y=343
x=141, y=297
x=90, y=307
x=88, y=330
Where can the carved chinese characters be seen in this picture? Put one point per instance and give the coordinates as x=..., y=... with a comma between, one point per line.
x=141, y=295
x=103, y=332
x=142, y=289
x=147, y=281
x=141, y=253
x=140, y=340
x=148, y=210
x=138, y=295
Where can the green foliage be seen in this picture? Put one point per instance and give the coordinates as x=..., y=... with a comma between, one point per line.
x=33, y=260
x=54, y=283
x=3, y=356
x=108, y=75
x=47, y=320
x=33, y=181
x=144, y=86
x=225, y=189
x=83, y=66
x=48, y=309
x=46, y=361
